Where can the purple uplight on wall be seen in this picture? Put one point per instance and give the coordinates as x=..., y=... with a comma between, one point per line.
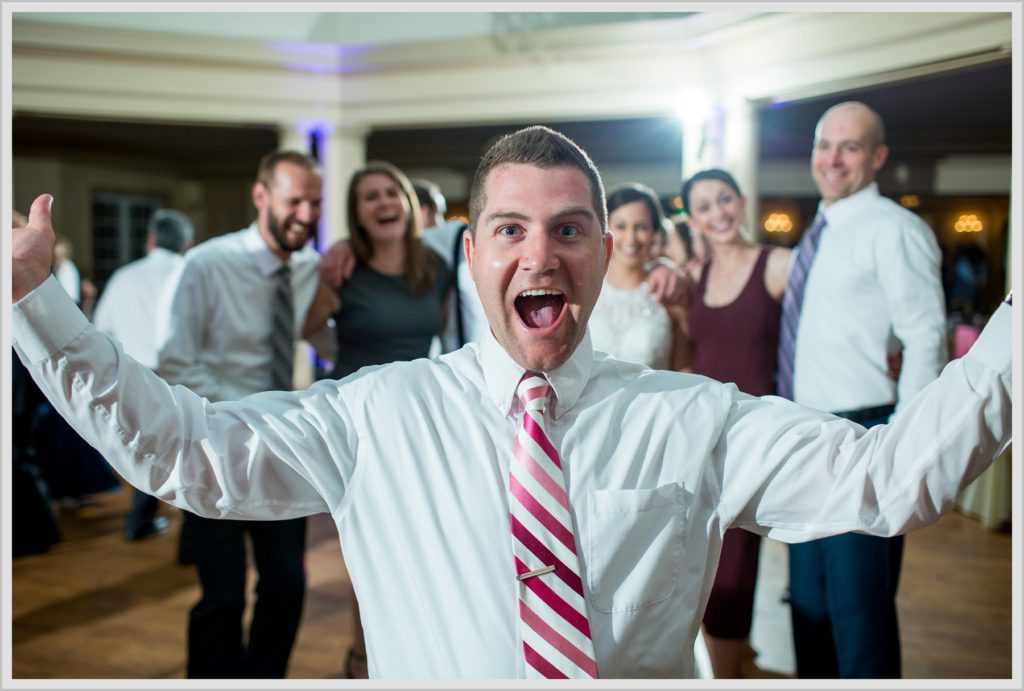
x=318, y=58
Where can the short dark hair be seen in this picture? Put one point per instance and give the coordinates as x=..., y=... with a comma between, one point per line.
x=709, y=174
x=630, y=192
x=268, y=164
x=171, y=229
x=429, y=194
x=542, y=147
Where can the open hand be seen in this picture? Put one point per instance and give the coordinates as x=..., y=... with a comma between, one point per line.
x=337, y=263
x=667, y=283
x=32, y=249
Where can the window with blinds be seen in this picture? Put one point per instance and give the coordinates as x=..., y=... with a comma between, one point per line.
x=119, y=231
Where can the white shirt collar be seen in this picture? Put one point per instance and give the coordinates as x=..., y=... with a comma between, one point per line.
x=843, y=210
x=502, y=375
x=266, y=261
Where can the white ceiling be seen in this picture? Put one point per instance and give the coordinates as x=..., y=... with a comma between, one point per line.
x=386, y=25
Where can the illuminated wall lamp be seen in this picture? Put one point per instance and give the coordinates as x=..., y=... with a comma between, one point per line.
x=968, y=223
x=778, y=223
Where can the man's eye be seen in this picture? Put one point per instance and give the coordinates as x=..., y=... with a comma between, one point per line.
x=568, y=231
x=507, y=231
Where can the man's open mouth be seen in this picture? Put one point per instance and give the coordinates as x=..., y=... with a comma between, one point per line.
x=540, y=308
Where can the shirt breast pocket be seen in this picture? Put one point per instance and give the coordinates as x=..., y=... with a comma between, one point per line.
x=634, y=546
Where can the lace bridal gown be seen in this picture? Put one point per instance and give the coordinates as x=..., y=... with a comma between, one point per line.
x=632, y=325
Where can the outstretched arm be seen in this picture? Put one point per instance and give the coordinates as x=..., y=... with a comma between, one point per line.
x=326, y=303
x=269, y=456
x=817, y=475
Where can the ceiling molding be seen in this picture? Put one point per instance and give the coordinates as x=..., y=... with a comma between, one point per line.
x=637, y=68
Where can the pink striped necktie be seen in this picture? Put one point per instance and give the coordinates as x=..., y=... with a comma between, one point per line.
x=555, y=630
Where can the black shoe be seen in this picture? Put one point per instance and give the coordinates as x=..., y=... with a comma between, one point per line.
x=157, y=524
x=355, y=665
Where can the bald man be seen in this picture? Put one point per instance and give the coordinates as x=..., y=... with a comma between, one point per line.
x=872, y=287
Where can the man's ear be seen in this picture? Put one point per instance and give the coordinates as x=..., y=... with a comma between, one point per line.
x=608, y=244
x=260, y=195
x=879, y=157
x=467, y=249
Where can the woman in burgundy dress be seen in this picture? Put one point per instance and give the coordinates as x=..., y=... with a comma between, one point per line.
x=734, y=325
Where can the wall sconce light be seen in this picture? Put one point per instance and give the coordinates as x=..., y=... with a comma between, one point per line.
x=968, y=223
x=778, y=223
x=910, y=201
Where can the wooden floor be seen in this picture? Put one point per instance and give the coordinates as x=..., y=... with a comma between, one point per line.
x=96, y=607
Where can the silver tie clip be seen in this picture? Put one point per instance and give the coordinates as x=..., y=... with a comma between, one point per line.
x=536, y=572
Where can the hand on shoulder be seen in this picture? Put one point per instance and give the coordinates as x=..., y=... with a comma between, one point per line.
x=337, y=263
x=669, y=284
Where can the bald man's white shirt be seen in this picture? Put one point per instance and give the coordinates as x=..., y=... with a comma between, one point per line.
x=875, y=278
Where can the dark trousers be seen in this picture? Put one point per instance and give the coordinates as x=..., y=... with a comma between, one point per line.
x=142, y=512
x=842, y=592
x=216, y=647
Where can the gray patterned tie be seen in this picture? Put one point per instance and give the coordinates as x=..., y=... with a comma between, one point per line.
x=282, y=333
x=792, y=302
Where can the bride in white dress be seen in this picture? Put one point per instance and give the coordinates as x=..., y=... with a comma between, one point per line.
x=628, y=322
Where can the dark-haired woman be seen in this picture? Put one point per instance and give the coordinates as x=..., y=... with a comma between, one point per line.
x=628, y=322
x=734, y=324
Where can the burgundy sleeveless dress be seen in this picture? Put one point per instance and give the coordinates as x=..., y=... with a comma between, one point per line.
x=736, y=343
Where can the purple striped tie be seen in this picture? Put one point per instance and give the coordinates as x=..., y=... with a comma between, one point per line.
x=792, y=302
x=555, y=630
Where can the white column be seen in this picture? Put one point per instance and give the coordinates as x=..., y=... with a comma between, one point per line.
x=293, y=136
x=704, y=124
x=740, y=156
x=694, y=141
x=341, y=150
x=342, y=153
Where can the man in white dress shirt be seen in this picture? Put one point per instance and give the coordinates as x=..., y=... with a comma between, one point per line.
x=218, y=343
x=874, y=285
x=129, y=309
x=412, y=459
